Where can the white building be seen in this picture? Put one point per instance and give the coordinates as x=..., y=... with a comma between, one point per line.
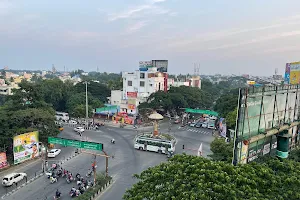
x=137, y=87
x=195, y=81
x=7, y=89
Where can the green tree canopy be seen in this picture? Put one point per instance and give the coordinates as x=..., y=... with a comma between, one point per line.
x=191, y=177
x=76, y=104
x=222, y=151
x=98, y=90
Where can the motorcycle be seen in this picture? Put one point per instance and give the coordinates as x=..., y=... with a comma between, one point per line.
x=170, y=154
x=53, y=179
x=69, y=179
x=89, y=174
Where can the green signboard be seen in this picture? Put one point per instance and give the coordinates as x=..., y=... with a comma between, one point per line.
x=262, y=111
x=207, y=112
x=108, y=108
x=76, y=143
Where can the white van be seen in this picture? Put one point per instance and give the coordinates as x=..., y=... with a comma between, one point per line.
x=62, y=116
x=13, y=178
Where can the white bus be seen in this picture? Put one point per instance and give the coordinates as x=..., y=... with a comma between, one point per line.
x=152, y=144
x=62, y=116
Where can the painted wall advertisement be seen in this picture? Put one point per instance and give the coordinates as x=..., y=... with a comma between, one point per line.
x=263, y=109
x=26, y=146
x=131, y=104
x=292, y=73
x=3, y=160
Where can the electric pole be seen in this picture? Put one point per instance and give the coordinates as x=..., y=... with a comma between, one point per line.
x=86, y=104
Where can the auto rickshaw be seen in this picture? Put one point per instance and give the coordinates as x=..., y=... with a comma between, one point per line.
x=61, y=128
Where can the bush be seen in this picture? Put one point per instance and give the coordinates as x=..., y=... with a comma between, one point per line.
x=101, y=180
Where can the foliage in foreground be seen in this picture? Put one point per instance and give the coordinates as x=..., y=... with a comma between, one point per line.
x=101, y=180
x=222, y=151
x=191, y=177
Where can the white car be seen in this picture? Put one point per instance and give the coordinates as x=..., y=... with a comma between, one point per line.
x=73, y=122
x=13, y=178
x=53, y=153
x=79, y=129
x=204, y=125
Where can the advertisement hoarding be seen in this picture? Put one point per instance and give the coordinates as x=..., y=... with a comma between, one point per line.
x=144, y=65
x=292, y=73
x=3, y=160
x=161, y=65
x=263, y=110
x=222, y=127
x=131, y=94
x=26, y=146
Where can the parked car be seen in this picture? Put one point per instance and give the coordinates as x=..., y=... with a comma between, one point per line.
x=192, y=124
x=53, y=153
x=199, y=125
x=13, y=178
x=204, y=125
x=177, y=121
x=79, y=129
x=73, y=122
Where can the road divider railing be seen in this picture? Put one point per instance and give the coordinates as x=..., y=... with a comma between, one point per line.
x=29, y=179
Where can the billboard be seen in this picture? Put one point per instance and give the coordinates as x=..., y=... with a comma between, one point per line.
x=222, y=127
x=262, y=113
x=3, y=160
x=26, y=146
x=131, y=94
x=161, y=65
x=292, y=73
x=144, y=65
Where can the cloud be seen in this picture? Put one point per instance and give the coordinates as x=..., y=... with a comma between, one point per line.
x=261, y=39
x=137, y=26
x=6, y=7
x=129, y=13
x=149, y=8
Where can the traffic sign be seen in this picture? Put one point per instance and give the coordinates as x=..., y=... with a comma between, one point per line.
x=76, y=143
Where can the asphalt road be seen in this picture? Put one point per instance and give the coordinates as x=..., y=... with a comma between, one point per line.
x=126, y=162
x=34, y=168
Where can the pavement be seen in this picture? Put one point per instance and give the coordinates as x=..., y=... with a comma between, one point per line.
x=126, y=162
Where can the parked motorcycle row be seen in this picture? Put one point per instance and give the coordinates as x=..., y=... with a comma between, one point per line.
x=56, y=173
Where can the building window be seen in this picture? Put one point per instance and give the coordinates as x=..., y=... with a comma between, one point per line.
x=142, y=75
x=142, y=83
x=129, y=83
x=158, y=86
x=150, y=84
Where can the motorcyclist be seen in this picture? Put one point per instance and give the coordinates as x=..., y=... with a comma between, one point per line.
x=73, y=189
x=90, y=172
x=113, y=140
x=57, y=193
x=77, y=176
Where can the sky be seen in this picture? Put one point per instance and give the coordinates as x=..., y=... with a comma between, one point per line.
x=221, y=36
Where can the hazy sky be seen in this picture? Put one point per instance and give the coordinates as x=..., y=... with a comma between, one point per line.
x=224, y=36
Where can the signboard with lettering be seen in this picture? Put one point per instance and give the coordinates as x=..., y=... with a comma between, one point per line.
x=132, y=94
x=76, y=143
x=262, y=111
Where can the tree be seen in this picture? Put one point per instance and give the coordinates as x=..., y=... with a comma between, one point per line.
x=192, y=177
x=97, y=90
x=231, y=119
x=226, y=103
x=222, y=151
x=76, y=104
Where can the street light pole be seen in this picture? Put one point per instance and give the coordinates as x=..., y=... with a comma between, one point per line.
x=86, y=104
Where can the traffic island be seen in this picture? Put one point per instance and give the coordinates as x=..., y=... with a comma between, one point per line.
x=102, y=182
